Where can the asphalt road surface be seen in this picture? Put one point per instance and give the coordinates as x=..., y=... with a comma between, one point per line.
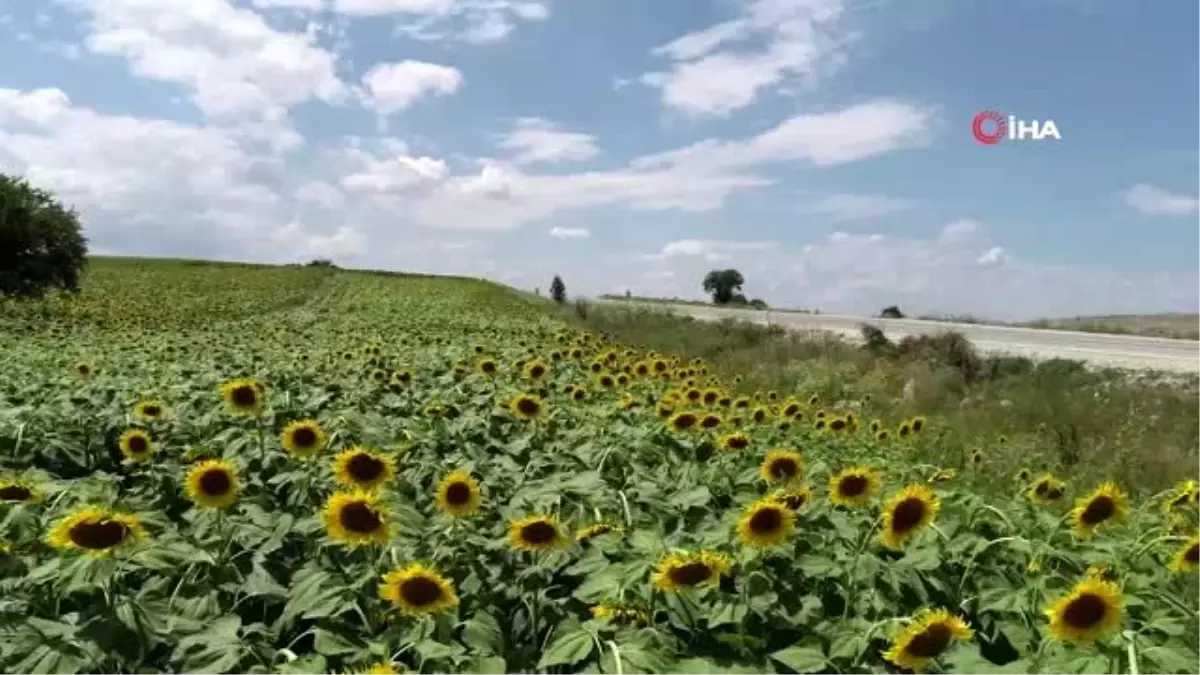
x=1121, y=351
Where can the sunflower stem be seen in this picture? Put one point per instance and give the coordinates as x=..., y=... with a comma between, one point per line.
x=1131, y=652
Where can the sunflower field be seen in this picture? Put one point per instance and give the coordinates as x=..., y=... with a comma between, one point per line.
x=209, y=468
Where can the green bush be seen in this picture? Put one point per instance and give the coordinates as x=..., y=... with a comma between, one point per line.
x=42, y=246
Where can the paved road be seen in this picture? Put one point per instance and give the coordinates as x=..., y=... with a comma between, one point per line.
x=1124, y=351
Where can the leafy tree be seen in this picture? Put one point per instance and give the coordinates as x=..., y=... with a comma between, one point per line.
x=41, y=243
x=558, y=290
x=891, y=312
x=723, y=284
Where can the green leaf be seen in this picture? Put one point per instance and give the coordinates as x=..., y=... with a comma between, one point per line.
x=571, y=646
x=216, y=649
x=486, y=665
x=697, y=496
x=260, y=582
x=330, y=643
x=432, y=649
x=802, y=659
x=482, y=633
x=727, y=613
x=1168, y=659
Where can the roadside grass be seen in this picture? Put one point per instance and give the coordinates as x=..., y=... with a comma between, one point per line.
x=1059, y=416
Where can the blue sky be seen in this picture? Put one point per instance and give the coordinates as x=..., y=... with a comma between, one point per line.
x=823, y=147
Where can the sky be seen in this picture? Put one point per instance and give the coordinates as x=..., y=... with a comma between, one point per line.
x=824, y=148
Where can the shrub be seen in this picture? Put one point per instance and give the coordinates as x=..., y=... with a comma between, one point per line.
x=891, y=312
x=42, y=246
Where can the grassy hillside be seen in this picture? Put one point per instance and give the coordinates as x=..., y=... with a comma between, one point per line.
x=234, y=468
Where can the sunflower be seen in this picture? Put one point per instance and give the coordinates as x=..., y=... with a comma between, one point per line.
x=927, y=635
x=766, y=523
x=760, y=415
x=212, y=484
x=917, y=424
x=838, y=424
x=458, y=494
x=875, y=426
x=1187, y=558
x=710, y=421
x=688, y=570
x=853, y=486
x=781, y=466
x=361, y=468
x=1093, y=610
x=908, y=512
x=95, y=531
x=711, y=396
x=664, y=411
x=1046, y=489
x=592, y=531
x=904, y=430
x=1184, y=494
x=136, y=445
x=628, y=402
x=244, y=396
x=977, y=457
x=535, y=370
x=536, y=533
x=1023, y=476
x=356, y=518
x=303, y=438
x=882, y=435
x=819, y=425
x=83, y=369
x=795, y=498
x=735, y=441
x=682, y=421
x=621, y=613
x=149, y=410
x=380, y=668
x=417, y=590
x=579, y=394
x=19, y=491
x=526, y=406
x=1108, y=503
x=488, y=367
x=789, y=408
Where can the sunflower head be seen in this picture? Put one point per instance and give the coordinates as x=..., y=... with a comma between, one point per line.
x=882, y=435
x=875, y=426
x=735, y=441
x=364, y=469
x=627, y=614
x=767, y=522
x=356, y=518
x=458, y=494
x=943, y=476
x=907, y=513
x=606, y=381
x=526, y=406
x=781, y=466
x=679, y=571
x=904, y=430
x=710, y=421
x=19, y=491
x=244, y=396
x=149, y=410
x=1093, y=610
x=838, y=424
x=95, y=531
x=853, y=487
x=794, y=497
x=592, y=531
x=303, y=438
x=417, y=590
x=488, y=367
x=83, y=369
x=682, y=421
x=135, y=445
x=927, y=635
x=380, y=668
x=1046, y=489
x=1187, y=558
x=1108, y=503
x=212, y=484
x=536, y=533
x=1185, y=494
x=1023, y=476
x=917, y=424
x=579, y=394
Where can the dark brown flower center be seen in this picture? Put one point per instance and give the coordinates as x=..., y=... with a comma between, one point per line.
x=684, y=421
x=766, y=520
x=606, y=381
x=907, y=514
x=660, y=366
x=795, y=501
x=98, y=535
x=1192, y=555
x=852, y=486
x=690, y=574
x=784, y=467
x=710, y=421
x=537, y=370
x=693, y=395
x=528, y=405
x=151, y=411
x=931, y=642
x=15, y=493
x=1054, y=493
x=364, y=468
x=138, y=444
x=458, y=493
x=539, y=532
x=1098, y=510
x=791, y=410
x=244, y=396
x=420, y=591
x=83, y=369
x=216, y=482
x=487, y=367
x=904, y=430
x=917, y=425
x=360, y=518
x=710, y=398
x=837, y=425
x=736, y=442
x=1085, y=611
x=304, y=437
x=759, y=415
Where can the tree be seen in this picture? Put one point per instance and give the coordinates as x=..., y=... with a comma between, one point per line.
x=558, y=290
x=723, y=284
x=41, y=243
x=891, y=312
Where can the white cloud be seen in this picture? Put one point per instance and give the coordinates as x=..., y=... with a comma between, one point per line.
x=708, y=249
x=474, y=21
x=993, y=257
x=232, y=61
x=843, y=206
x=1150, y=200
x=290, y=4
x=392, y=87
x=536, y=140
x=710, y=76
x=569, y=233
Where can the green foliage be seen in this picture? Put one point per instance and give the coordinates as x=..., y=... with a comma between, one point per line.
x=891, y=312
x=558, y=290
x=724, y=286
x=42, y=246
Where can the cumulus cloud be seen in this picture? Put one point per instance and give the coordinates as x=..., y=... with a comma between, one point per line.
x=473, y=21
x=392, y=87
x=535, y=140
x=569, y=233
x=726, y=67
x=1150, y=200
